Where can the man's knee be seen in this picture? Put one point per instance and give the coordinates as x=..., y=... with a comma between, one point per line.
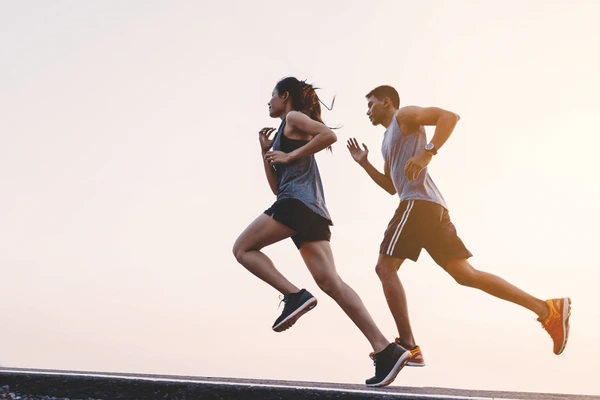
x=462, y=272
x=384, y=270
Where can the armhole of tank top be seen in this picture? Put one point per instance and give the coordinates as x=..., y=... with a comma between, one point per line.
x=290, y=141
x=414, y=152
x=284, y=124
x=280, y=130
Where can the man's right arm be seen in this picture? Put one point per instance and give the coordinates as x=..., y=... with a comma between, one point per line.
x=383, y=180
x=360, y=156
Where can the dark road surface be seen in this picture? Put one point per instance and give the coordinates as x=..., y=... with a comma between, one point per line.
x=117, y=386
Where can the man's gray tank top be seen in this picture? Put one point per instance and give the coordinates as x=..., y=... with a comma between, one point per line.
x=397, y=149
x=299, y=179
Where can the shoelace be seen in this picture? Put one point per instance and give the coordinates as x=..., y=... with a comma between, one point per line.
x=282, y=299
x=550, y=320
x=544, y=326
x=552, y=313
x=373, y=357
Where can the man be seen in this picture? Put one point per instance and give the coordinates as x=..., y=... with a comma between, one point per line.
x=422, y=219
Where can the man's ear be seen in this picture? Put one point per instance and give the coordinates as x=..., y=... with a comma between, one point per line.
x=386, y=102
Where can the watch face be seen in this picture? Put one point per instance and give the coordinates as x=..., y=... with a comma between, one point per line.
x=429, y=146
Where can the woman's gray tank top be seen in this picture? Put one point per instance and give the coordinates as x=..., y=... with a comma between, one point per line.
x=299, y=179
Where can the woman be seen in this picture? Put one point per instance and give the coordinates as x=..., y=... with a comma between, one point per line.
x=300, y=213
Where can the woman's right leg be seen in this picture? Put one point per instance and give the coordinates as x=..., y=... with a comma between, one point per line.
x=263, y=231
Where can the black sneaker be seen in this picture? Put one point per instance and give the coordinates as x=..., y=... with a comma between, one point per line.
x=296, y=305
x=388, y=363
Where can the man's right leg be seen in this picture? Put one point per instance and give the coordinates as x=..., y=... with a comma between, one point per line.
x=387, y=270
x=401, y=241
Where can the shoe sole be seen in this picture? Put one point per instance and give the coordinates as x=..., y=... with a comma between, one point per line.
x=412, y=364
x=565, y=323
x=293, y=317
x=394, y=372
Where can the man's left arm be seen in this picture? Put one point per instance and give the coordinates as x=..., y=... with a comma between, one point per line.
x=444, y=122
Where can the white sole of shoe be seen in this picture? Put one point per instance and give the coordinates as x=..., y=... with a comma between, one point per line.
x=565, y=317
x=412, y=364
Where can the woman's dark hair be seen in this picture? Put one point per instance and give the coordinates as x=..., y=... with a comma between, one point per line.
x=303, y=97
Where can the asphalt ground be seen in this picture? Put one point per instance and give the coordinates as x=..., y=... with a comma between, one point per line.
x=116, y=386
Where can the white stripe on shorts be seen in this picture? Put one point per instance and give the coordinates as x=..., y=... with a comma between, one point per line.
x=399, y=228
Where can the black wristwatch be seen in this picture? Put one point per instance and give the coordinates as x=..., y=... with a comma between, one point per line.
x=431, y=148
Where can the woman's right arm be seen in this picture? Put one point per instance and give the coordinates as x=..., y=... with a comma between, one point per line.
x=270, y=172
x=265, y=145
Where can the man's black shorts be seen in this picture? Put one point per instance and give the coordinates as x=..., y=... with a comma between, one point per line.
x=419, y=224
x=308, y=225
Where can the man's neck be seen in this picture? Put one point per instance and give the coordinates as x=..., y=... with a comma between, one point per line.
x=387, y=120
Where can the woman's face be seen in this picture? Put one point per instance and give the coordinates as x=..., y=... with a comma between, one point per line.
x=276, y=104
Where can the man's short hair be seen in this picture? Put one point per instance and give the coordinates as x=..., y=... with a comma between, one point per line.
x=381, y=92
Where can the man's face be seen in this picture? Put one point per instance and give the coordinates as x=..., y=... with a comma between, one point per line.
x=375, y=110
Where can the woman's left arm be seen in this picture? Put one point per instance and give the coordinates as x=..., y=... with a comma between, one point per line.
x=322, y=137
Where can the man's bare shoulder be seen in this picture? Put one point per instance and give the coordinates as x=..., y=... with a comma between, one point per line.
x=408, y=113
x=407, y=118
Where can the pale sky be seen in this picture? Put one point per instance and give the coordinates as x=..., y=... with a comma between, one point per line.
x=130, y=163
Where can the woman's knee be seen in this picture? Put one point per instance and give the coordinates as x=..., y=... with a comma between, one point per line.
x=329, y=283
x=239, y=249
x=237, y=252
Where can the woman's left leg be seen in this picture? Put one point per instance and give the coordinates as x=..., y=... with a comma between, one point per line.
x=318, y=257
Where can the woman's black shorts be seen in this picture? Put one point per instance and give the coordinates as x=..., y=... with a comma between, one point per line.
x=308, y=225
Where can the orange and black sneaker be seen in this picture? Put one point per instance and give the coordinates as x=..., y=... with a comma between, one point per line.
x=416, y=358
x=388, y=364
x=557, y=322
